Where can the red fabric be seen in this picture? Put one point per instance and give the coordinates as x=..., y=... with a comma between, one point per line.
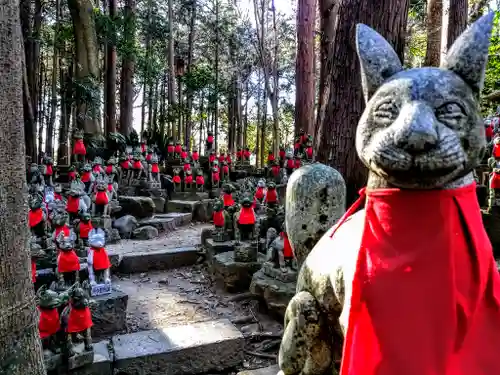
x=195, y=155
x=247, y=154
x=63, y=229
x=495, y=181
x=35, y=217
x=187, y=167
x=170, y=149
x=137, y=164
x=188, y=179
x=218, y=217
x=287, y=249
x=282, y=154
x=210, y=139
x=110, y=187
x=85, y=177
x=48, y=170
x=72, y=175
x=496, y=151
x=100, y=259
x=309, y=152
x=225, y=169
x=72, y=204
x=270, y=158
x=125, y=164
x=215, y=176
x=290, y=163
x=297, y=163
x=221, y=158
x=228, y=159
x=33, y=272
x=49, y=322
x=143, y=147
x=155, y=168
x=184, y=154
x=68, y=261
x=101, y=198
x=58, y=196
x=211, y=158
x=228, y=199
x=79, y=148
x=489, y=132
x=177, y=179
x=149, y=157
x=426, y=290
x=85, y=229
x=276, y=170
x=297, y=145
x=79, y=320
x=271, y=196
x=238, y=154
x=200, y=180
x=247, y=215
x=259, y=193
x=178, y=149
x=97, y=169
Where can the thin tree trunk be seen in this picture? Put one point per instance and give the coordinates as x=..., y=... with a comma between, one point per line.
x=189, y=92
x=111, y=75
x=454, y=22
x=155, y=107
x=40, y=106
x=171, y=65
x=263, y=129
x=274, y=96
x=433, y=24
x=216, y=96
x=20, y=345
x=49, y=149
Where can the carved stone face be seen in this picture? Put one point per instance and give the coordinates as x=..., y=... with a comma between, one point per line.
x=421, y=127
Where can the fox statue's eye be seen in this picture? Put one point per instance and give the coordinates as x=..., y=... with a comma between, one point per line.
x=451, y=114
x=386, y=112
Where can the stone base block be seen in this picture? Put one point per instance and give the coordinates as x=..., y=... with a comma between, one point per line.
x=160, y=204
x=201, y=210
x=245, y=252
x=271, y=370
x=180, y=218
x=213, y=248
x=163, y=224
x=109, y=313
x=274, y=292
x=164, y=259
x=190, y=195
x=102, y=362
x=234, y=276
x=102, y=222
x=288, y=276
x=191, y=349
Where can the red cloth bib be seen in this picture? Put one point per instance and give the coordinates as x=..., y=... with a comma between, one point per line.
x=276, y=170
x=238, y=155
x=282, y=154
x=228, y=199
x=215, y=177
x=271, y=196
x=228, y=159
x=63, y=229
x=35, y=217
x=33, y=272
x=68, y=261
x=100, y=259
x=221, y=158
x=72, y=175
x=101, y=198
x=297, y=163
x=211, y=158
x=125, y=164
x=184, y=155
x=178, y=149
x=85, y=177
x=143, y=147
x=49, y=323
x=495, y=181
x=287, y=249
x=73, y=204
x=309, y=152
x=247, y=154
x=259, y=193
x=48, y=170
x=85, y=229
x=170, y=149
x=109, y=169
x=177, y=179
x=270, y=158
x=137, y=164
x=110, y=187
x=79, y=148
x=247, y=215
x=97, y=169
x=496, y=151
x=290, y=163
x=58, y=196
x=155, y=168
x=79, y=320
x=188, y=179
x=426, y=290
x=149, y=157
x=200, y=180
x=187, y=167
x=225, y=169
x=195, y=156
x=210, y=139
x=218, y=217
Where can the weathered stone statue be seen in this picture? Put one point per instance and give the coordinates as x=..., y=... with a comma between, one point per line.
x=79, y=150
x=98, y=263
x=389, y=275
x=218, y=217
x=68, y=263
x=177, y=179
x=100, y=199
x=48, y=170
x=244, y=222
x=200, y=180
x=37, y=217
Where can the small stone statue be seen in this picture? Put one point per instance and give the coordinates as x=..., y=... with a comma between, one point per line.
x=188, y=180
x=178, y=150
x=215, y=176
x=225, y=171
x=154, y=169
x=195, y=156
x=137, y=167
x=79, y=150
x=227, y=195
x=87, y=178
x=183, y=153
x=177, y=179
x=100, y=199
x=49, y=324
x=97, y=258
x=125, y=170
x=200, y=180
x=68, y=263
x=48, y=170
x=83, y=228
x=245, y=220
x=170, y=149
x=210, y=141
x=289, y=164
x=97, y=168
x=37, y=217
x=187, y=165
x=36, y=253
x=219, y=222
x=260, y=193
x=271, y=198
x=75, y=203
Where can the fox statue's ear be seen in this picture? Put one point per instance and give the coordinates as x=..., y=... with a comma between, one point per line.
x=468, y=56
x=377, y=59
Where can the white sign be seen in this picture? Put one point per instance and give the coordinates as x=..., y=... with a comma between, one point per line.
x=100, y=289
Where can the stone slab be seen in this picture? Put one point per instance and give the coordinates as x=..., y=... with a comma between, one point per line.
x=160, y=204
x=201, y=210
x=190, y=196
x=102, y=361
x=234, y=276
x=190, y=349
x=109, y=313
x=213, y=248
x=277, y=294
x=180, y=218
x=161, y=259
x=163, y=224
x=270, y=370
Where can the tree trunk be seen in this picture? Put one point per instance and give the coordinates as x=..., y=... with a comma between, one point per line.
x=62, y=150
x=87, y=63
x=49, y=148
x=274, y=96
x=40, y=105
x=189, y=92
x=263, y=128
x=304, y=68
x=35, y=55
x=342, y=96
x=216, y=94
x=454, y=22
x=433, y=24
x=20, y=345
x=155, y=107
x=127, y=73
x=111, y=75
x=171, y=66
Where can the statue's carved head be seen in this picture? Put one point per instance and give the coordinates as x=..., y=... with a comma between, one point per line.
x=97, y=237
x=79, y=295
x=421, y=127
x=47, y=299
x=35, y=202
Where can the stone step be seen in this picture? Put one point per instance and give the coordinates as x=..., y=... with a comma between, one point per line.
x=163, y=224
x=161, y=259
x=180, y=218
x=190, y=349
x=270, y=370
x=109, y=313
x=190, y=196
x=200, y=210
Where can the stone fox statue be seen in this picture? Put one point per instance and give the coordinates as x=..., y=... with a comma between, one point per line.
x=410, y=280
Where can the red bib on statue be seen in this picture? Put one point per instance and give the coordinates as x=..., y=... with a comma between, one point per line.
x=188, y=179
x=177, y=179
x=79, y=148
x=85, y=229
x=200, y=180
x=85, y=177
x=49, y=322
x=100, y=259
x=155, y=168
x=426, y=290
x=228, y=200
x=73, y=204
x=271, y=196
x=79, y=320
x=68, y=261
x=495, y=181
x=259, y=193
x=35, y=217
x=218, y=218
x=247, y=216
x=101, y=198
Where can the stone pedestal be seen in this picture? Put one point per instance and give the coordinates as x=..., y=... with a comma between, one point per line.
x=102, y=222
x=245, y=252
x=214, y=248
x=275, y=287
x=109, y=313
x=232, y=275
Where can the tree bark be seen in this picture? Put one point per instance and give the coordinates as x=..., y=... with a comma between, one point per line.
x=342, y=97
x=20, y=345
x=216, y=94
x=127, y=73
x=111, y=75
x=454, y=22
x=433, y=24
x=171, y=66
x=189, y=92
x=304, y=67
x=49, y=148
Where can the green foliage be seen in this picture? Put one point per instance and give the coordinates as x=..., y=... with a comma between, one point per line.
x=492, y=76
